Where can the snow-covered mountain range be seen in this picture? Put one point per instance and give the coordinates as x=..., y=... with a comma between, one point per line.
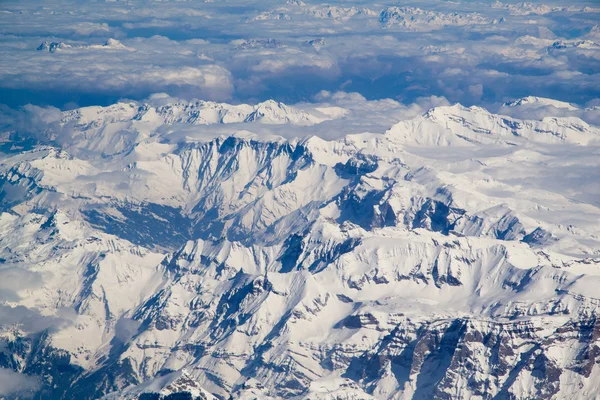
x=455, y=255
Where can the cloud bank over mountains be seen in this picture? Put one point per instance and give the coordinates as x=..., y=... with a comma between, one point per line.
x=472, y=52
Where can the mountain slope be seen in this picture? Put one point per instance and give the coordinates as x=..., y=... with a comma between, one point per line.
x=455, y=255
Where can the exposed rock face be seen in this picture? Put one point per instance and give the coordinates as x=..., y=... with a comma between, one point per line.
x=52, y=47
x=420, y=263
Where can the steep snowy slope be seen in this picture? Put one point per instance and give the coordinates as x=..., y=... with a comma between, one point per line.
x=454, y=256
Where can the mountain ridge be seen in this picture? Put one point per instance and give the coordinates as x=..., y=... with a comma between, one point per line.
x=404, y=264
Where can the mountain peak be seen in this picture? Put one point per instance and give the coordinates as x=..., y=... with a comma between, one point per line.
x=274, y=112
x=174, y=385
x=459, y=125
x=540, y=102
x=114, y=43
x=52, y=47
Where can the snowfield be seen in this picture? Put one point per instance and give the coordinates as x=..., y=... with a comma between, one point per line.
x=453, y=255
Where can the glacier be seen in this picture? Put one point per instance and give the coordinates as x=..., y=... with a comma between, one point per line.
x=451, y=255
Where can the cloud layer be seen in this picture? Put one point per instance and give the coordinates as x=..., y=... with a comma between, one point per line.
x=470, y=52
x=15, y=385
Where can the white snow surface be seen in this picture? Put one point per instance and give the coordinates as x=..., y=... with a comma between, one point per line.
x=264, y=267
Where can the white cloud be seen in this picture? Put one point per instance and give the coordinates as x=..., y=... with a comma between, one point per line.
x=125, y=328
x=199, y=50
x=90, y=28
x=476, y=91
x=209, y=77
x=17, y=385
x=295, y=60
x=14, y=279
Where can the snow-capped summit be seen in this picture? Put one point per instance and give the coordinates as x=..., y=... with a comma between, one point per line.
x=269, y=16
x=116, y=128
x=273, y=112
x=178, y=384
x=416, y=19
x=114, y=43
x=206, y=112
x=318, y=44
x=339, y=13
x=52, y=47
x=110, y=44
x=580, y=44
x=540, y=102
x=257, y=44
x=594, y=33
x=458, y=125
